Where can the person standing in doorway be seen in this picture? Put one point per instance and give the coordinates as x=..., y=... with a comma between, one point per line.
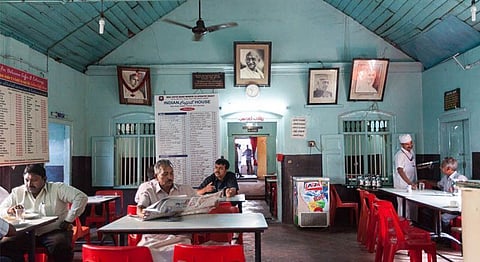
x=248, y=156
x=405, y=176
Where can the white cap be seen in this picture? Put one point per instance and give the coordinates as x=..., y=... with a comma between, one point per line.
x=405, y=138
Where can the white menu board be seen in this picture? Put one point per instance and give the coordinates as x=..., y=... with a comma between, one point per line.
x=187, y=134
x=23, y=117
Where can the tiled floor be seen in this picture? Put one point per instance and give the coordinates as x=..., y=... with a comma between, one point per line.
x=282, y=242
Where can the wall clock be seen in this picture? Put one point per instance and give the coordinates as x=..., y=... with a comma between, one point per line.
x=252, y=90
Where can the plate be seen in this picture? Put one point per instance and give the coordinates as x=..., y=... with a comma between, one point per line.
x=18, y=224
x=29, y=215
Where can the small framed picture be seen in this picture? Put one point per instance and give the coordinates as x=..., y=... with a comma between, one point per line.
x=322, y=86
x=134, y=85
x=368, y=80
x=252, y=63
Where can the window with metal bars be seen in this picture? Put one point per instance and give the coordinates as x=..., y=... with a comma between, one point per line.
x=134, y=152
x=367, y=147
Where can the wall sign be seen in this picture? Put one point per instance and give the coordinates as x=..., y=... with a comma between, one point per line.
x=451, y=99
x=23, y=117
x=187, y=133
x=208, y=80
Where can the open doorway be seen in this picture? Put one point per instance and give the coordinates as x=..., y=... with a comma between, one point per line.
x=251, y=156
x=58, y=168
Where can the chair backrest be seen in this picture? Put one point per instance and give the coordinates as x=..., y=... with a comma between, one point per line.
x=224, y=209
x=199, y=253
x=112, y=204
x=93, y=253
x=131, y=209
x=388, y=222
x=336, y=200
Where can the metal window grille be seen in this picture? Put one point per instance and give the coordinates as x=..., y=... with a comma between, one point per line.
x=134, y=152
x=367, y=145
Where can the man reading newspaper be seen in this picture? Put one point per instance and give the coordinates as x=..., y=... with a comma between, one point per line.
x=151, y=194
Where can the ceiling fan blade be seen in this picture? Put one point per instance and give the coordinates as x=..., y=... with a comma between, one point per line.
x=221, y=26
x=177, y=23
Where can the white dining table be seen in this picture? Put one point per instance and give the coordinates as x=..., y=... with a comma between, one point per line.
x=29, y=227
x=439, y=201
x=101, y=199
x=237, y=199
x=201, y=223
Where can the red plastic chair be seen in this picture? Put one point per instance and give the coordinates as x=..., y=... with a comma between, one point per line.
x=199, y=238
x=80, y=231
x=41, y=255
x=338, y=203
x=363, y=220
x=456, y=228
x=93, y=253
x=198, y=253
x=391, y=237
x=133, y=239
x=100, y=220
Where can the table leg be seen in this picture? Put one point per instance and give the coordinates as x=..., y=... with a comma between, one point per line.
x=31, y=251
x=438, y=228
x=258, y=246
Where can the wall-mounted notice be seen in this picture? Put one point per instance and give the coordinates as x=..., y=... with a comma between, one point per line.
x=187, y=134
x=299, y=127
x=23, y=117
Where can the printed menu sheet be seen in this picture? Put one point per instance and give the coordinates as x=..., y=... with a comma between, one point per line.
x=23, y=117
x=187, y=134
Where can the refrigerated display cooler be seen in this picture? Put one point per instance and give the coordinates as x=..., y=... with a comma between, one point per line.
x=311, y=201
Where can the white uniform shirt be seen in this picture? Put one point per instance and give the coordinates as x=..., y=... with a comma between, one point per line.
x=405, y=160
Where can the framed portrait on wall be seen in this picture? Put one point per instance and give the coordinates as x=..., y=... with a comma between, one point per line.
x=368, y=79
x=252, y=63
x=134, y=85
x=322, y=86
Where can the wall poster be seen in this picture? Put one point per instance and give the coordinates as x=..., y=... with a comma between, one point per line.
x=23, y=117
x=187, y=133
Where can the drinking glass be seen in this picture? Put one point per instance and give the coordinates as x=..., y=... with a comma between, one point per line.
x=421, y=186
x=20, y=214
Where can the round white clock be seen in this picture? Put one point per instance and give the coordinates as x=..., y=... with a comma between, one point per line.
x=252, y=90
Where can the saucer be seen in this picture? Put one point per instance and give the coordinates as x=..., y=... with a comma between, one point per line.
x=30, y=215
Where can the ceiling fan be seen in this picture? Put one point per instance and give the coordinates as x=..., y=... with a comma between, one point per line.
x=199, y=30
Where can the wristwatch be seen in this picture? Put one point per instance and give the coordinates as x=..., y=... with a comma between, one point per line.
x=65, y=225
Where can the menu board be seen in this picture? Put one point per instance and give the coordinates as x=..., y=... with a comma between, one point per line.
x=187, y=134
x=23, y=117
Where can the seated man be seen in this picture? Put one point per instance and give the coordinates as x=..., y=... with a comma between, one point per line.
x=55, y=198
x=447, y=183
x=221, y=179
x=161, y=245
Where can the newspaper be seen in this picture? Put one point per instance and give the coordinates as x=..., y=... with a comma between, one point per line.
x=181, y=205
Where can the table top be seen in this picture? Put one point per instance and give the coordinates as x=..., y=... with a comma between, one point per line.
x=432, y=198
x=99, y=199
x=234, y=222
x=236, y=198
x=32, y=224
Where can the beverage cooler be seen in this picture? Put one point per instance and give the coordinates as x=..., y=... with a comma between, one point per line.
x=311, y=201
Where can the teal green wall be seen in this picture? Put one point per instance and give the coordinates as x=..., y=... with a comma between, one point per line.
x=445, y=77
x=302, y=33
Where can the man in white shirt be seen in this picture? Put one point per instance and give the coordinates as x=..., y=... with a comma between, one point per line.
x=37, y=194
x=447, y=183
x=405, y=171
x=161, y=245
